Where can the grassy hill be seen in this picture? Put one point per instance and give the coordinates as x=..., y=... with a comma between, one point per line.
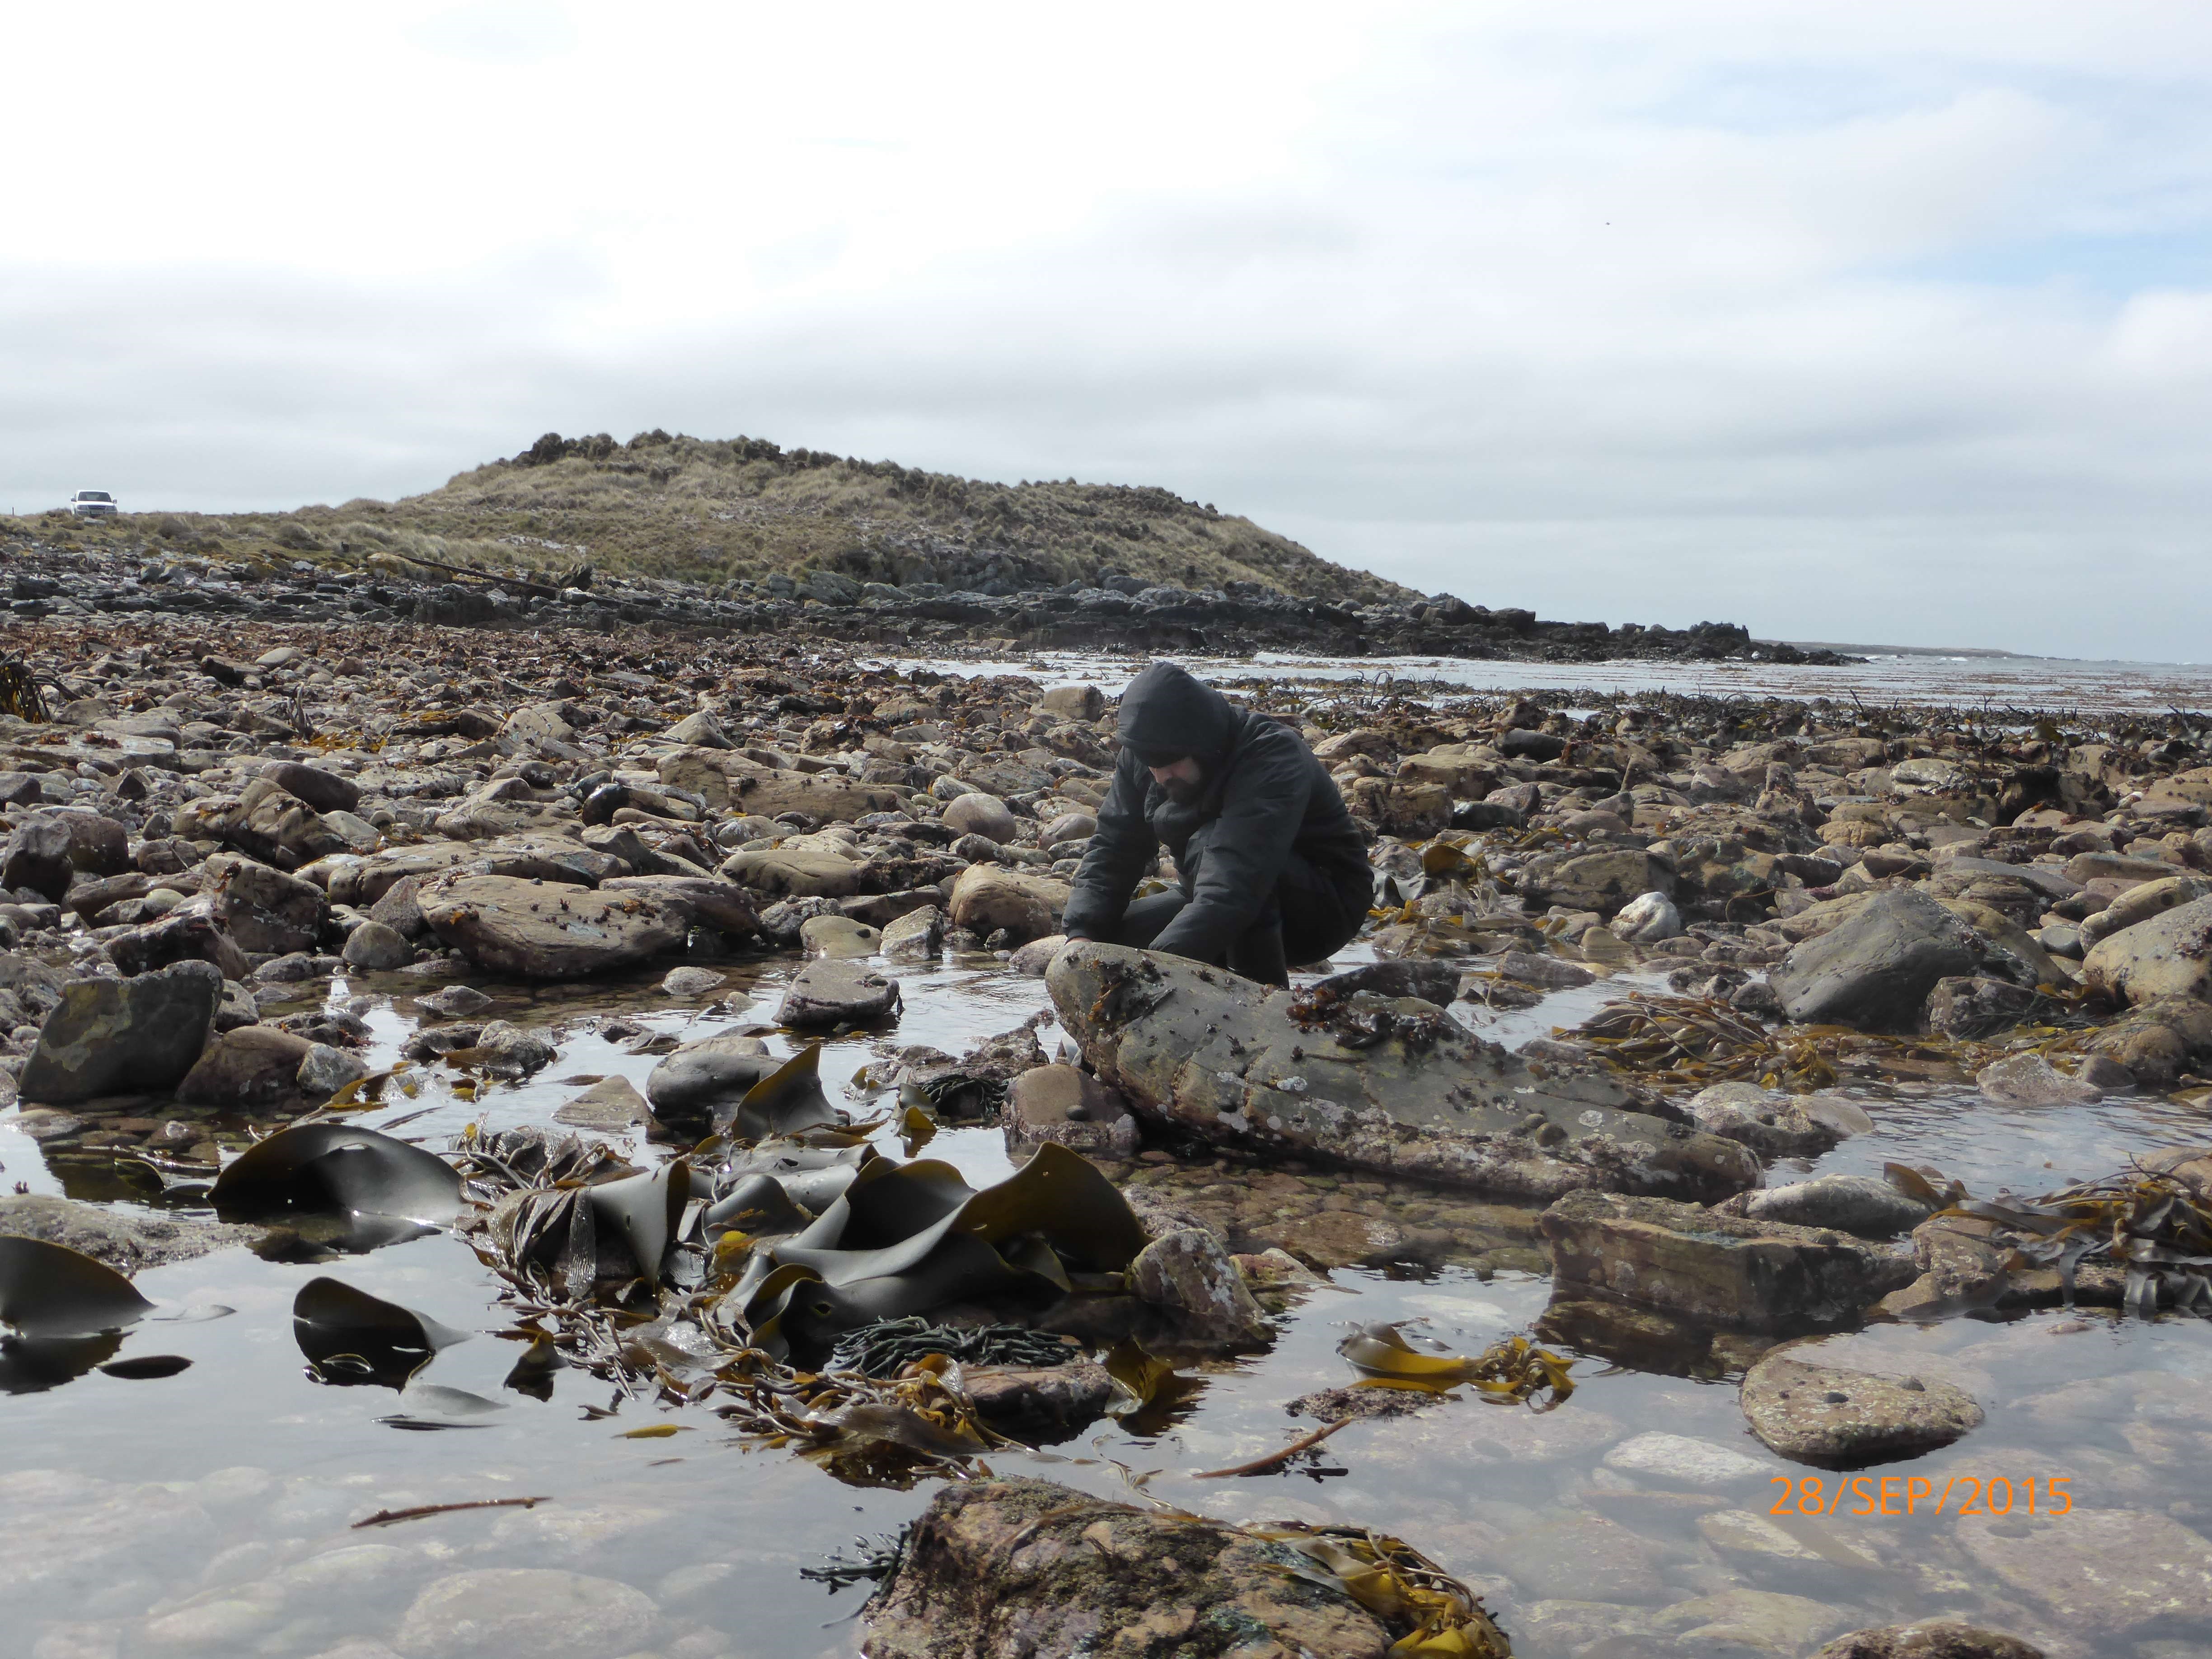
x=721, y=511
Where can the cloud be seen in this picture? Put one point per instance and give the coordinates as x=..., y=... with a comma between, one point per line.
x=503, y=32
x=1876, y=324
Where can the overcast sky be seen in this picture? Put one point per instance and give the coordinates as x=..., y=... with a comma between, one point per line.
x=1871, y=321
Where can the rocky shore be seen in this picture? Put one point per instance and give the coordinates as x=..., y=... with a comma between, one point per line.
x=237, y=813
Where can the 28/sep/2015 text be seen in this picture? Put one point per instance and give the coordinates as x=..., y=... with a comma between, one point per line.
x=1867, y=1495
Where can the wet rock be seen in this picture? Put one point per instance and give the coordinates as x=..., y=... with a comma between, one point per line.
x=1558, y=1556
x=797, y=872
x=375, y=948
x=127, y=1240
x=837, y=936
x=1862, y=1205
x=999, y=1569
x=1027, y=1399
x=1337, y=1238
x=978, y=814
x=326, y=1070
x=986, y=899
x=1223, y=1059
x=2140, y=904
x=499, y=1612
x=182, y=937
x=1725, y=1270
x=509, y=1050
x=1036, y=956
x=1062, y=1104
x=1837, y=1419
x=1929, y=1638
x=109, y=1036
x=454, y=1002
x=545, y=931
x=255, y=1066
x=262, y=821
x=1188, y=1274
x=1767, y=1120
x=1959, y=1268
x=697, y=901
x=1739, y=1621
x=2109, y=1573
x=833, y=993
x=711, y=1072
x=2169, y=955
x=1875, y=969
x=1970, y=1007
x=1681, y=1460
x=323, y=790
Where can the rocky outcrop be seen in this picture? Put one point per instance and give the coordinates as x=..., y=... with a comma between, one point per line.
x=1229, y=1061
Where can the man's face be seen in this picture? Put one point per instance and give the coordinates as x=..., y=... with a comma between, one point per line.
x=1184, y=779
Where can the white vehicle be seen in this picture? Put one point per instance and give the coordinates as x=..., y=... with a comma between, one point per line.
x=92, y=504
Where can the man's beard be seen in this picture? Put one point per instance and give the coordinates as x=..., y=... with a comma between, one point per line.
x=1182, y=793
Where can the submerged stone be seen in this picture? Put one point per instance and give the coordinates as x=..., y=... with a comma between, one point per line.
x=1223, y=1059
x=1837, y=1419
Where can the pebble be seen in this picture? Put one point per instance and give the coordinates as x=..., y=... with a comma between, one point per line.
x=1678, y=1460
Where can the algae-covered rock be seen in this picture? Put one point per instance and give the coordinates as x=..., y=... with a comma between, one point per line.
x=1230, y=1062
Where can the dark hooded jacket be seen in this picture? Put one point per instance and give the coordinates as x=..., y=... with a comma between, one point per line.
x=1266, y=798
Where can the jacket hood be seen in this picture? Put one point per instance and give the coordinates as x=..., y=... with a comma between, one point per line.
x=1166, y=712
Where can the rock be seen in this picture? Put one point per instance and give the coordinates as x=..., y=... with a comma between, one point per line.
x=1931, y=1638
x=612, y=1105
x=2142, y=903
x=1647, y=920
x=699, y=730
x=1006, y=1569
x=1681, y=1460
x=454, y=1002
x=1034, y=1398
x=109, y=1036
x=327, y=1069
x=2157, y=1041
x=715, y=1071
x=37, y=857
x=539, y=931
x=692, y=981
x=797, y=872
x=1036, y=956
x=917, y=936
x=1862, y=1205
x=1062, y=1104
x=126, y=1239
x=698, y=901
x=987, y=898
x=1875, y=969
x=267, y=911
x=1339, y=1238
x=509, y=1050
x=375, y=948
x=1959, y=1269
x=262, y=821
x=497, y=1613
x=1721, y=1269
x=1604, y=882
x=1220, y=1058
x=323, y=791
x=1068, y=826
x=1746, y=1621
x=2168, y=955
x=255, y=1066
x=833, y=993
x=1766, y=1119
x=2029, y=1079
x=1561, y=1554
x=839, y=936
x=1837, y=1419
x=978, y=814
x=2107, y=1573
x=824, y=798
x=1073, y=702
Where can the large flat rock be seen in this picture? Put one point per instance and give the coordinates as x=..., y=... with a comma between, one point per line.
x=549, y=930
x=1226, y=1059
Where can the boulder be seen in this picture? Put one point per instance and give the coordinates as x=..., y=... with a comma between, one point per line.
x=2029, y=1079
x=1973, y=1007
x=1647, y=919
x=612, y=1106
x=1845, y=1420
x=692, y=981
x=1766, y=1119
x=1073, y=702
x=326, y=1070
x=837, y=936
x=978, y=814
x=987, y=898
x=136, y=1036
x=1005, y=1569
x=1189, y=1276
x=2168, y=955
x=264, y=821
x=1717, y=1268
x=539, y=931
x=375, y=948
x=1959, y=1268
x=323, y=790
x=1398, y=807
x=914, y=937
x=36, y=858
x=1228, y=1061
x=1604, y=882
x=266, y=911
x=705, y=902
x=2142, y=903
x=2108, y=1574
x=1875, y=969
x=831, y=991
x=824, y=799
x=181, y=936
x=2159, y=1040
x=98, y=846
x=1064, y=1104
x=127, y=1240
x=1929, y=1638
x=497, y=1613
x=796, y=873
x=255, y=1066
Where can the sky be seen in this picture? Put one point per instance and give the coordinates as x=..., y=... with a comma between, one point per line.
x=1870, y=322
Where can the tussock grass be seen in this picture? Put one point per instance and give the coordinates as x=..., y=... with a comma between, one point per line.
x=720, y=512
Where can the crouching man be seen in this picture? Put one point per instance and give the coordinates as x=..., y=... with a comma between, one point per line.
x=1273, y=870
